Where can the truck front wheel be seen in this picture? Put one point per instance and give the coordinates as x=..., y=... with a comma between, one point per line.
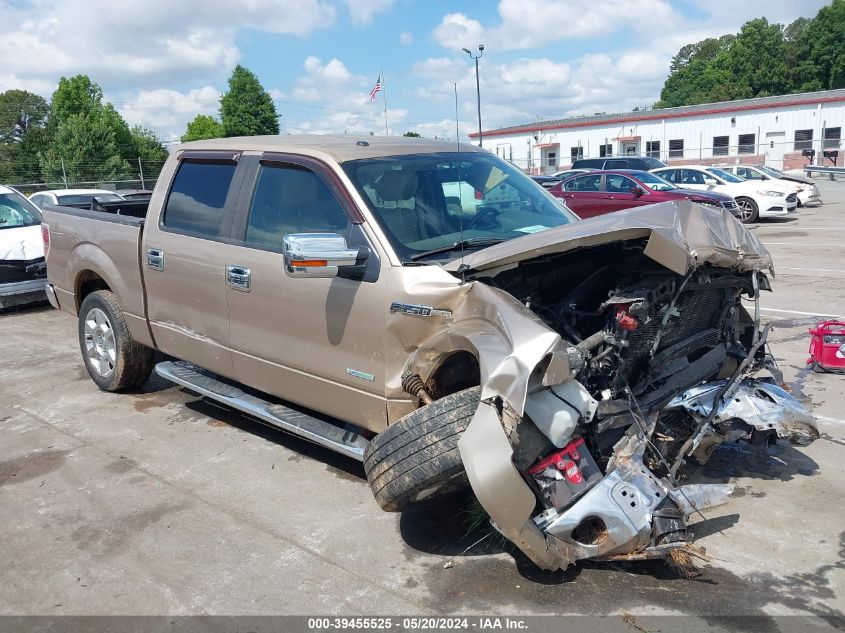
x=114, y=360
x=417, y=457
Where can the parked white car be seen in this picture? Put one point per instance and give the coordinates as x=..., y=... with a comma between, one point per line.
x=753, y=199
x=807, y=190
x=72, y=196
x=23, y=274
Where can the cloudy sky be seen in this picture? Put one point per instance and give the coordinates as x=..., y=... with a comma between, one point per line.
x=162, y=62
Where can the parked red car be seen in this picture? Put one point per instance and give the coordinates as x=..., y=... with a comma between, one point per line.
x=599, y=192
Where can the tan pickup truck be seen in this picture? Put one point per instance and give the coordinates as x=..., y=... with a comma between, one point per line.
x=427, y=309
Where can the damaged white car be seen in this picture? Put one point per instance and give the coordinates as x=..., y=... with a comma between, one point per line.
x=23, y=273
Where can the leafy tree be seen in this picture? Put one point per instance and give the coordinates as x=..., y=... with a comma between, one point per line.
x=203, y=126
x=762, y=59
x=77, y=95
x=247, y=109
x=412, y=134
x=757, y=58
x=20, y=112
x=148, y=148
x=820, y=50
x=84, y=144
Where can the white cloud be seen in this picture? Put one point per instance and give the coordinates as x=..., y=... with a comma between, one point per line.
x=167, y=112
x=329, y=98
x=406, y=38
x=363, y=11
x=533, y=23
x=121, y=45
x=457, y=31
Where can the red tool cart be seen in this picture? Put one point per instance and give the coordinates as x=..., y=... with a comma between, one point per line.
x=827, y=347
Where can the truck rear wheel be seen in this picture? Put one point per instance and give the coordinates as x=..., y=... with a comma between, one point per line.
x=114, y=360
x=417, y=457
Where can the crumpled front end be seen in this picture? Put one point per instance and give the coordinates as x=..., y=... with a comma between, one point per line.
x=578, y=446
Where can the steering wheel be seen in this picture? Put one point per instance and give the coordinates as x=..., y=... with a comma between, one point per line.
x=491, y=213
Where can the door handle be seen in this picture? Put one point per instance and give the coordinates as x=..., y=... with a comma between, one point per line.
x=155, y=259
x=238, y=277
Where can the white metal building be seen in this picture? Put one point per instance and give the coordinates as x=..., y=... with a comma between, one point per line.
x=770, y=130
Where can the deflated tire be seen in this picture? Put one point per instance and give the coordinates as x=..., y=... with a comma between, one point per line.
x=417, y=457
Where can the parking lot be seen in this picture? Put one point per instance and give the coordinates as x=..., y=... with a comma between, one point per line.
x=160, y=502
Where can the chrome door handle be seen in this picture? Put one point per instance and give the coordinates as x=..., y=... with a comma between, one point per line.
x=155, y=259
x=238, y=277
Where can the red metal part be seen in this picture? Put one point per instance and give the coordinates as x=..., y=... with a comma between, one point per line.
x=827, y=345
x=567, y=455
x=625, y=320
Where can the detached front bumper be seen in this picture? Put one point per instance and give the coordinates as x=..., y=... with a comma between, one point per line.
x=630, y=513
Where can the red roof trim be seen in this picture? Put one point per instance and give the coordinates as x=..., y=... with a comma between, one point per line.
x=655, y=115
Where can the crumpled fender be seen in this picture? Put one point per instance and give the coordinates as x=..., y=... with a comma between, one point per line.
x=508, y=340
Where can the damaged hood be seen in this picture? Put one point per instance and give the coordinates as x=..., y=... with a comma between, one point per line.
x=680, y=235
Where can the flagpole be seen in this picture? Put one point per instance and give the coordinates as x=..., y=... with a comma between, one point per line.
x=384, y=98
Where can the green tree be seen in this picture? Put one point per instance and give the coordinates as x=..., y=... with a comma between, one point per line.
x=757, y=58
x=203, y=126
x=77, y=95
x=412, y=134
x=246, y=109
x=84, y=149
x=20, y=111
x=149, y=149
x=820, y=50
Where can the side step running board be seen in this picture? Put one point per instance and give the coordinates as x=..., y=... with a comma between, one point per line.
x=300, y=424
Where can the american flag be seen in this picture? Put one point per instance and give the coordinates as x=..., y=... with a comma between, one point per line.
x=376, y=89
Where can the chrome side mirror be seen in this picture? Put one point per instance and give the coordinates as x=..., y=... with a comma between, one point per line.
x=321, y=255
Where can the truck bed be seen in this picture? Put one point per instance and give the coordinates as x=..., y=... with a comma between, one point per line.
x=104, y=238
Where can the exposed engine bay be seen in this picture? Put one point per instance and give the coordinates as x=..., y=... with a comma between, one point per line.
x=658, y=367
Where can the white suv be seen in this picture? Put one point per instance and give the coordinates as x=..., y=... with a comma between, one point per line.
x=753, y=199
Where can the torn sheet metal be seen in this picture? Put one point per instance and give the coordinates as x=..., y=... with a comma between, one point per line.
x=759, y=403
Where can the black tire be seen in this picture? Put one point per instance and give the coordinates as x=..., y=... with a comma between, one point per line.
x=417, y=457
x=130, y=364
x=748, y=211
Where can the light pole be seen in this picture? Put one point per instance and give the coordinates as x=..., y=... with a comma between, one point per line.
x=477, y=86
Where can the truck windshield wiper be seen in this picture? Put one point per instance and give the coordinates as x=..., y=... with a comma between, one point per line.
x=469, y=243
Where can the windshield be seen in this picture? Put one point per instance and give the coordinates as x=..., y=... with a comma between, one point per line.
x=432, y=205
x=85, y=198
x=725, y=175
x=17, y=211
x=769, y=171
x=654, y=182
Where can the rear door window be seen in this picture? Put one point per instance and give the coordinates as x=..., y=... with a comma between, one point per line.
x=691, y=177
x=619, y=184
x=291, y=199
x=584, y=183
x=197, y=198
x=619, y=163
x=588, y=163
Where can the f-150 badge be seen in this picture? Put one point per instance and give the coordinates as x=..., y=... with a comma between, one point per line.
x=415, y=309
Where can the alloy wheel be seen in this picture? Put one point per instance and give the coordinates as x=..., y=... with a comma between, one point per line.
x=100, y=348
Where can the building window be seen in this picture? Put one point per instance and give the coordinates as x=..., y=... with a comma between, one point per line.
x=652, y=149
x=720, y=145
x=803, y=139
x=552, y=158
x=676, y=148
x=746, y=144
x=832, y=136
x=606, y=150
x=576, y=152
